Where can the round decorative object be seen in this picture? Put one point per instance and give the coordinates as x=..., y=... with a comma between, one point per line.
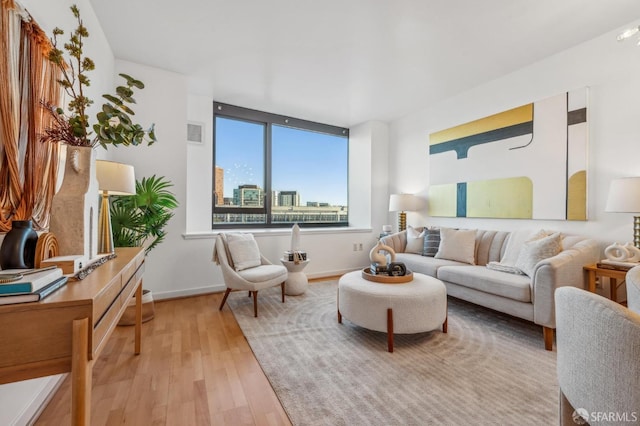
x=19, y=246
x=616, y=252
x=46, y=248
x=7, y=278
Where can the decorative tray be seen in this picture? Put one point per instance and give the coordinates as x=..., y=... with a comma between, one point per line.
x=387, y=279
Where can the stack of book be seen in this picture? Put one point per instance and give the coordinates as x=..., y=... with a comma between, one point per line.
x=29, y=285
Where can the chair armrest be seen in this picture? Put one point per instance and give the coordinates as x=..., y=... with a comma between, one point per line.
x=563, y=269
x=397, y=241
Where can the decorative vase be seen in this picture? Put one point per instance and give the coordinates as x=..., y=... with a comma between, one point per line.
x=74, y=210
x=18, y=248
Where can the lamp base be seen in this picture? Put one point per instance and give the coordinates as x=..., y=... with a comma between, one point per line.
x=402, y=221
x=105, y=235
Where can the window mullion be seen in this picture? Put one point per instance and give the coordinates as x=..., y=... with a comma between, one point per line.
x=268, y=193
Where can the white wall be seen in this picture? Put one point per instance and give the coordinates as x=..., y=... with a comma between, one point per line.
x=610, y=70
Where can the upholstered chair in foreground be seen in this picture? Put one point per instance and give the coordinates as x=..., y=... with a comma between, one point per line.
x=244, y=268
x=633, y=289
x=598, y=344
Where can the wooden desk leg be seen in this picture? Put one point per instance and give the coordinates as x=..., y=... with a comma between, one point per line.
x=592, y=281
x=138, y=332
x=613, y=288
x=81, y=374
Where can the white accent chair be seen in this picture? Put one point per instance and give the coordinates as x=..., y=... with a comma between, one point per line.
x=598, y=343
x=251, y=279
x=633, y=289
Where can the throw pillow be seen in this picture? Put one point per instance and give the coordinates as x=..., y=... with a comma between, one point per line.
x=457, y=244
x=244, y=250
x=534, y=251
x=415, y=240
x=431, y=242
x=516, y=241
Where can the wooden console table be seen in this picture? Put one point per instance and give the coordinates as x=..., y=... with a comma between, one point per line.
x=67, y=331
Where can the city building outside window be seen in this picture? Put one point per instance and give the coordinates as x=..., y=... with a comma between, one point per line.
x=273, y=171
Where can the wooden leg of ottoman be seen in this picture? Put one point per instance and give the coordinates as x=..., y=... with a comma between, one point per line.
x=339, y=317
x=444, y=325
x=390, y=329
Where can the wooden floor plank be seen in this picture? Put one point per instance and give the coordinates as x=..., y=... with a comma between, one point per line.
x=195, y=368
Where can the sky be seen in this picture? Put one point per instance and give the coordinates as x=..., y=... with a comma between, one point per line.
x=314, y=164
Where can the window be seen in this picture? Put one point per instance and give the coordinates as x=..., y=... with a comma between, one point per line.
x=272, y=170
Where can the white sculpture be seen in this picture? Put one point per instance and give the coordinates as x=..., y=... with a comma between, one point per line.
x=379, y=258
x=622, y=253
x=295, y=238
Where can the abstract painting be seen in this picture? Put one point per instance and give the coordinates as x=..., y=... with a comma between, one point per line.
x=528, y=162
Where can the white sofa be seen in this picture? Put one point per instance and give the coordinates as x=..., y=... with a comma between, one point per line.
x=530, y=298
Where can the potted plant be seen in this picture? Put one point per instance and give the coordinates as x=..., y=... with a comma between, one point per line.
x=139, y=220
x=74, y=208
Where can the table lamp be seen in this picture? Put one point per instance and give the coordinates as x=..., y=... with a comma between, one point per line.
x=113, y=179
x=624, y=197
x=402, y=203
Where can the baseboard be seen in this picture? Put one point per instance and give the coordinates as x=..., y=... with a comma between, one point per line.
x=188, y=292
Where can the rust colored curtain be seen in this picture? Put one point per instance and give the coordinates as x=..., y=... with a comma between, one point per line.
x=28, y=168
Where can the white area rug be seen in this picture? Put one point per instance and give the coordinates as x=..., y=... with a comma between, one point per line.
x=490, y=369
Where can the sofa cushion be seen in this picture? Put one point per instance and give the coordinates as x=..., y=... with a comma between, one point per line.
x=431, y=242
x=457, y=244
x=424, y=264
x=415, y=240
x=517, y=287
x=534, y=251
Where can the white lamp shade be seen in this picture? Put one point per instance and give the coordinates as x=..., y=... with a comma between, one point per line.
x=402, y=203
x=624, y=195
x=115, y=178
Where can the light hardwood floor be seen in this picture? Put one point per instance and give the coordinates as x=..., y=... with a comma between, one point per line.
x=195, y=368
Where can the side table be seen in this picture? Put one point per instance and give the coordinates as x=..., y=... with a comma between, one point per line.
x=297, y=281
x=614, y=275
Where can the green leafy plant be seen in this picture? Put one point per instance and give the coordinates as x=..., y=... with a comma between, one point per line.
x=140, y=219
x=114, y=124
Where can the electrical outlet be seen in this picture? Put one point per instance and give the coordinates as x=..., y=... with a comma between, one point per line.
x=360, y=246
x=355, y=247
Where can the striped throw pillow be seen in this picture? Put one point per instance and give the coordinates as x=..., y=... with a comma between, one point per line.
x=431, y=242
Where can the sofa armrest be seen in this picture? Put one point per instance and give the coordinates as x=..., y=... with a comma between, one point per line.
x=397, y=241
x=564, y=269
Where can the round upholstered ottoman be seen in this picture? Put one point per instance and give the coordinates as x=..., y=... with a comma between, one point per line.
x=417, y=306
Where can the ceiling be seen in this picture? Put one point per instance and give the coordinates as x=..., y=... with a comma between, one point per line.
x=344, y=62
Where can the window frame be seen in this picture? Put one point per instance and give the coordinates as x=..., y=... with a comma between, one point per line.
x=268, y=119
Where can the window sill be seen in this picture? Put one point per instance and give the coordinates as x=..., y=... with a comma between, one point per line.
x=277, y=232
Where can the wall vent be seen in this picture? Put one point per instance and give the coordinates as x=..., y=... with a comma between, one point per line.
x=195, y=132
